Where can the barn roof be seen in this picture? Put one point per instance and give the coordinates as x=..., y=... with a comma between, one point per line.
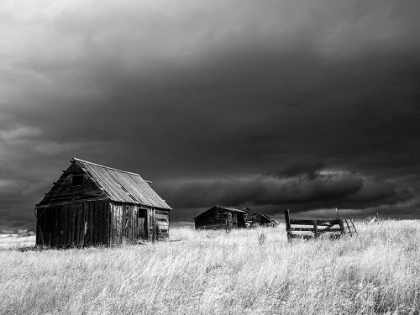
x=122, y=186
x=221, y=208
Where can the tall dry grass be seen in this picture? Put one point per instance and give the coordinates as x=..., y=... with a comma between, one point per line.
x=211, y=272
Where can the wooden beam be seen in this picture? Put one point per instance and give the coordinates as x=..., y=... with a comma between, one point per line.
x=287, y=218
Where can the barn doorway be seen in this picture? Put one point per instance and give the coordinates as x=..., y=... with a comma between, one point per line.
x=241, y=220
x=142, y=224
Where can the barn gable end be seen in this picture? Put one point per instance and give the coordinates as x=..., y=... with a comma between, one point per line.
x=73, y=185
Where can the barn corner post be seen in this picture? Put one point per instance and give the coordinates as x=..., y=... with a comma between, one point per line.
x=287, y=219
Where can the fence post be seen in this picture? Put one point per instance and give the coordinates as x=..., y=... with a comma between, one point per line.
x=342, y=227
x=315, y=223
x=286, y=216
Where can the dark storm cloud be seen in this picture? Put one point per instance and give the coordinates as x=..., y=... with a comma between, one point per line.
x=190, y=94
x=342, y=189
x=311, y=170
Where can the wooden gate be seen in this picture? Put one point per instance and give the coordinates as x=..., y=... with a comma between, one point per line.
x=339, y=227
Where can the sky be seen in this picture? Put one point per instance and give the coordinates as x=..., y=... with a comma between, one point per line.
x=307, y=105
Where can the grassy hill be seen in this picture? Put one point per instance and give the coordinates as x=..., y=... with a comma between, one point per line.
x=211, y=272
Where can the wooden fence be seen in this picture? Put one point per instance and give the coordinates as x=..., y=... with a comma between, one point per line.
x=339, y=227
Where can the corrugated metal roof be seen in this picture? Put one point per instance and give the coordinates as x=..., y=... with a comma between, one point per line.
x=122, y=186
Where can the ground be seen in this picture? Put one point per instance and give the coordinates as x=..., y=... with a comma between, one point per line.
x=253, y=271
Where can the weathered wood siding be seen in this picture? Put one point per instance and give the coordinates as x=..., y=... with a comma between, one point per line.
x=78, y=224
x=100, y=222
x=162, y=224
x=125, y=227
x=217, y=218
x=63, y=191
x=131, y=223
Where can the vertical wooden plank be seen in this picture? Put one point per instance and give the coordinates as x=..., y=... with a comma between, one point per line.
x=113, y=227
x=348, y=226
x=76, y=225
x=91, y=224
x=73, y=223
x=86, y=224
x=105, y=216
x=68, y=224
x=53, y=227
x=47, y=231
x=287, y=219
x=117, y=229
x=124, y=223
x=107, y=223
x=154, y=225
x=82, y=224
x=135, y=223
x=104, y=222
x=121, y=218
x=44, y=227
x=65, y=222
x=50, y=222
x=100, y=223
x=315, y=224
x=96, y=220
x=59, y=226
x=127, y=223
x=132, y=223
x=342, y=227
x=63, y=226
x=37, y=233
x=116, y=218
x=120, y=224
x=149, y=225
x=50, y=226
x=82, y=230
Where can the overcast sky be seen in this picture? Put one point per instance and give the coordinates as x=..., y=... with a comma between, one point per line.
x=307, y=105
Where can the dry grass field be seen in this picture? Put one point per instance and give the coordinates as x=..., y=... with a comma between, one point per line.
x=211, y=272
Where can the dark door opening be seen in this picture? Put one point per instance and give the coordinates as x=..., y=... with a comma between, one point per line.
x=142, y=224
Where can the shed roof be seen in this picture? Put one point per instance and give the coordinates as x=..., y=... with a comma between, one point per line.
x=220, y=208
x=122, y=186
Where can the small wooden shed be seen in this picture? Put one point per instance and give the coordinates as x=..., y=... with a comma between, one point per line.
x=92, y=204
x=220, y=217
x=254, y=219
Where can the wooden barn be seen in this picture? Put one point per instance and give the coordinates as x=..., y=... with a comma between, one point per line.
x=92, y=204
x=255, y=219
x=220, y=217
